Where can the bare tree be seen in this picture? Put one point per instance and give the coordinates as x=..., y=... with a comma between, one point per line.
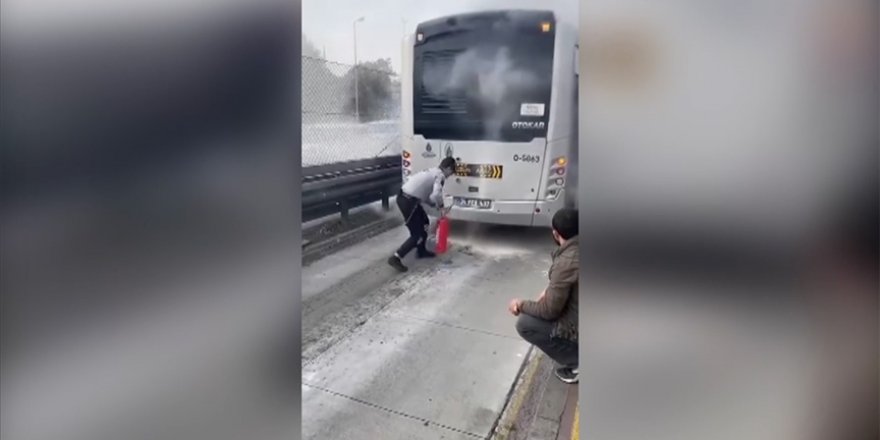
x=376, y=89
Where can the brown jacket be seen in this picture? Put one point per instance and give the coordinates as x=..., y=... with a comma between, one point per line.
x=560, y=303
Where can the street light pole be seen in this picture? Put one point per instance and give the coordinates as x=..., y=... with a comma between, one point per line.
x=357, y=108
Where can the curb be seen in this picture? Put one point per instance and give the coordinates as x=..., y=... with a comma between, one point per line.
x=505, y=426
x=569, y=427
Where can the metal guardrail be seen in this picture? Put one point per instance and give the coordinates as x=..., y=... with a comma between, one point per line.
x=338, y=187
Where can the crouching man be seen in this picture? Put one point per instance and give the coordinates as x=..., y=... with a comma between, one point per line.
x=551, y=321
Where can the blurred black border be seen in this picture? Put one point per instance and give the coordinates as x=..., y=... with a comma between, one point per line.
x=154, y=150
x=633, y=248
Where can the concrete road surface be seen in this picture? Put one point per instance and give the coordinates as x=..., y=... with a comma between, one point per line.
x=429, y=354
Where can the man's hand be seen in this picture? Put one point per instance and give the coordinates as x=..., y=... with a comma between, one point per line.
x=514, y=306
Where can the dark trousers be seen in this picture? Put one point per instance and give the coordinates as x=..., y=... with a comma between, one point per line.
x=537, y=332
x=416, y=221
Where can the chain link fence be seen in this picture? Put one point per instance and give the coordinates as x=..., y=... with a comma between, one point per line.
x=336, y=127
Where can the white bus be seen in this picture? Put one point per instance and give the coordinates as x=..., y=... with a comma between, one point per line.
x=498, y=91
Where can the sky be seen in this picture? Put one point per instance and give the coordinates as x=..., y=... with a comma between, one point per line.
x=328, y=23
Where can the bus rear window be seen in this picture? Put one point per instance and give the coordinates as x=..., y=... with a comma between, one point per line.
x=493, y=84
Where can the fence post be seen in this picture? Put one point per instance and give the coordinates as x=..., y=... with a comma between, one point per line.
x=343, y=209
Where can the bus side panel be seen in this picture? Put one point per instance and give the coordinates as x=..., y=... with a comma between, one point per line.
x=563, y=139
x=406, y=96
x=406, y=89
x=563, y=111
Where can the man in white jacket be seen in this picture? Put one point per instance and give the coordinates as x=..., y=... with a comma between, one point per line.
x=423, y=187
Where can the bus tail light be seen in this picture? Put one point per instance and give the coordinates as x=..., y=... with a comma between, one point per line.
x=556, y=179
x=554, y=186
x=406, y=163
x=559, y=164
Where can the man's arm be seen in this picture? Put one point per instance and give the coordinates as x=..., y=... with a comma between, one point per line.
x=542, y=295
x=552, y=303
x=437, y=193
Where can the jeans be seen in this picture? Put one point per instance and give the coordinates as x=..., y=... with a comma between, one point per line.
x=537, y=332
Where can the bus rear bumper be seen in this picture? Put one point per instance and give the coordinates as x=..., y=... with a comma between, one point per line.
x=515, y=213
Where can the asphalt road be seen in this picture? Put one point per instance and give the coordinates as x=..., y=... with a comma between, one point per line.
x=430, y=354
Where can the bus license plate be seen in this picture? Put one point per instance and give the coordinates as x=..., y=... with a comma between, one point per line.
x=465, y=202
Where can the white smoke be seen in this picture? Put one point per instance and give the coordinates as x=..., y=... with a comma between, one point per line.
x=495, y=75
x=487, y=74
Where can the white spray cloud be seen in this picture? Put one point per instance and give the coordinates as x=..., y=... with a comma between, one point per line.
x=488, y=74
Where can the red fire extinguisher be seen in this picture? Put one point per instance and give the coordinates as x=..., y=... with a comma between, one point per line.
x=442, y=233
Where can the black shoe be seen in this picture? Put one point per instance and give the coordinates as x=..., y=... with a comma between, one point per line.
x=567, y=375
x=397, y=264
x=425, y=254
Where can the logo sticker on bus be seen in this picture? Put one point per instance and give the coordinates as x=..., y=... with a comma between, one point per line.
x=429, y=151
x=531, y=109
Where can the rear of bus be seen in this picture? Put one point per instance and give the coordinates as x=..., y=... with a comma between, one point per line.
x=490, y=89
